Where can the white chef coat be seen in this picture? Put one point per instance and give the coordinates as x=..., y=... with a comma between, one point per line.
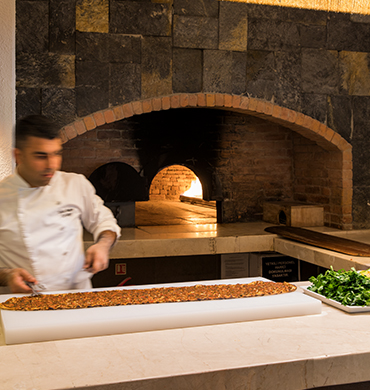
x=41, y=228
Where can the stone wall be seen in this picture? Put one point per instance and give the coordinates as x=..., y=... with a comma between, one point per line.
x=88, y=58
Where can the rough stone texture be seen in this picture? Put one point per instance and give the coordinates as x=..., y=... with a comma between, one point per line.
x=320, y=73
x=261, y=74
x=92, y=87
x=355, y=72
x=312, y=36
x=108, y=48
x=313, y=62
x=32, y=21
x=360, y=209
x=266, y=34
x=207, y=8
x=308, y=17
x=314, y=105
x=346, y=35
x=340, y=115
x=47, y=70
x=92, y=15
x=156, y=76
x=357, y=18
x=287, y=85
x=361, y=123
x=28, y=101
x=138, y=17
x=125, y=83
x=62, y=26
x=224, y=71
x=195, y=32
x=59, y=104
x=233, y=27
x=187, y=70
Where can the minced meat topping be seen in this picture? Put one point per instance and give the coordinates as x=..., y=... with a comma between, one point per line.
x=145, y=296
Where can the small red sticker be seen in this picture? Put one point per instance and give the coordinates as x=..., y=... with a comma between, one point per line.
x=120, y=268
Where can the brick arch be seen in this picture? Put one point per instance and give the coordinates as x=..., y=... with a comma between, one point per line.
x=338, y=212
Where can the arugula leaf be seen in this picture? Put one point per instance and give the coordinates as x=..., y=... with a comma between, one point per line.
x=350, y=288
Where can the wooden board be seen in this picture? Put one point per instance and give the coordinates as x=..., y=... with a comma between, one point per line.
x=322, y=240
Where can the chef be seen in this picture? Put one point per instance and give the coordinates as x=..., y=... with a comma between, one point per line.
x=42, y=215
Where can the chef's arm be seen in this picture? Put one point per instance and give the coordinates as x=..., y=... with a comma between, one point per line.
x=97, y=255
x=15, y=279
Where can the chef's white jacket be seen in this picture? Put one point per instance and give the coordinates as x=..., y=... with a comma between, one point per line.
x=41, y=228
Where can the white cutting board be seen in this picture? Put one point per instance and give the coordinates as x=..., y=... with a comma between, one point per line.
x=34, y=326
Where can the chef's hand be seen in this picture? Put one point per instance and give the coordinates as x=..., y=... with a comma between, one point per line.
x=97, y=255
x=15, y=278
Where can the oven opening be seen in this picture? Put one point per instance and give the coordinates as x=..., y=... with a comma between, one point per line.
x=175, y=198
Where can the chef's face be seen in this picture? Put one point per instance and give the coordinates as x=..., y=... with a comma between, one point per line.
x=38, y=159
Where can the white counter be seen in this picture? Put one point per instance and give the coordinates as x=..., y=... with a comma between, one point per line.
x=287, y=354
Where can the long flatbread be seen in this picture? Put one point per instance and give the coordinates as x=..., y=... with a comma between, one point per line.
x=145, y=296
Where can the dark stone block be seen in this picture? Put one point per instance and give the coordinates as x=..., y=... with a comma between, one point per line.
x=287, y=14
x=361, y=115
x=208, y=8
x=261, y=74
x=360, y=140
x=92, y=87
x=108, y=48
x=62, y=26
x=288, y=80
x=135, y=17
x=28, y=101
x=233, y=26
x=312, y=36
x=47, y=70
x=314, y=105
x=124, y=49
x=340, y=115
x=361, y=156
x=32, y=20
x=187, y=70
x=195, y=32
x=320, y=72
x=156, y=66
x=261, y=89
x=125, y=83
x=360, y=207
x=224, y=71
x=92, y=47
x=238, y=73
x=265, y=34
x=358, y=18
x=59, y=104
x=343, y=34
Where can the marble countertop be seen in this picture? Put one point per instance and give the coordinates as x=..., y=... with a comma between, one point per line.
x=287, y=353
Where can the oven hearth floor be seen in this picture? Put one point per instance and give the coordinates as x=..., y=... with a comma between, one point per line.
x=159, y=213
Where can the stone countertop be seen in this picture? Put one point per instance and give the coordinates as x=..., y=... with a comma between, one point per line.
x=185, y=240
x=287, y=353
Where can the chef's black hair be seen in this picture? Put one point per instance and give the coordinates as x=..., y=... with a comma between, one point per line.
x=35, y=126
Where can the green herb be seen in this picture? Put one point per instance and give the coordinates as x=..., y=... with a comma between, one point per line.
x=350, y=288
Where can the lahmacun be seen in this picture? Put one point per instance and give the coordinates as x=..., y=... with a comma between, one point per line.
x=145, y=296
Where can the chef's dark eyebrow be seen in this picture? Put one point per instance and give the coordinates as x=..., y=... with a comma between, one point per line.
x=58, y=152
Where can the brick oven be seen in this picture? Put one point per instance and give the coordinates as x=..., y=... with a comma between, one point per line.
x=242, y=160
x=249, y=98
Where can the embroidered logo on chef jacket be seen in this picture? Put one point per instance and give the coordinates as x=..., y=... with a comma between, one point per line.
x=66, y=212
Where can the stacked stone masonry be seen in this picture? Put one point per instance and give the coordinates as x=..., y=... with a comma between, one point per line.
x=321, y=173
x=305, y=70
